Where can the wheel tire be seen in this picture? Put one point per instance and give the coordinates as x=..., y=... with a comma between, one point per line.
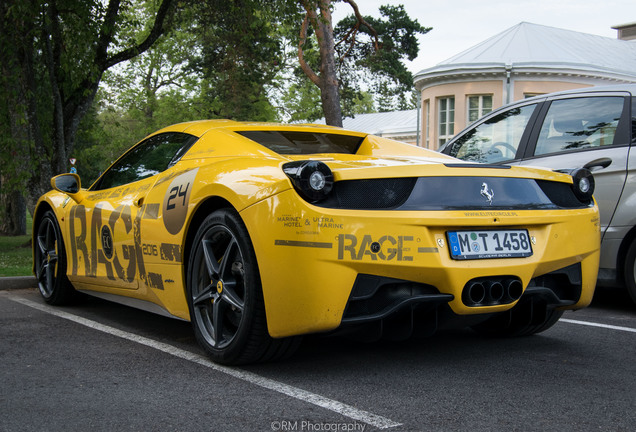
x=629, y=270
x=49, y=257
x=225, y=295
x=525, y=319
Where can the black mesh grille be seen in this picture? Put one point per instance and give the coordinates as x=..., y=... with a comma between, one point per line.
x=371, y=194
x=451, y=193
x=566, y=283
x=375, y=297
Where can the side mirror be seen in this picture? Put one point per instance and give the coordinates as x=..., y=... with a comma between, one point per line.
x=69, y=184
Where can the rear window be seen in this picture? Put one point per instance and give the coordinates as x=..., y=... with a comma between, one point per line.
x=303, y=143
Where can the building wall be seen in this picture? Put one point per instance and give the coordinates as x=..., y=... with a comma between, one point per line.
x=460, y=91
x=525, y=88
x=409, y=138
x=519, y=88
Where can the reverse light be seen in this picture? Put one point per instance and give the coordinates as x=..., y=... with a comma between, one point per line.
x=312, y=179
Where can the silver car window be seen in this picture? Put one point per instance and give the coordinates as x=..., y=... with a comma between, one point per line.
x=496, y=139
x=580, y=123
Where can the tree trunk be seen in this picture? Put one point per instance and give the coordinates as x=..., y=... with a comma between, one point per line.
x=13, y=214
x=319, y=16
x=330, y=91
x=16, y=160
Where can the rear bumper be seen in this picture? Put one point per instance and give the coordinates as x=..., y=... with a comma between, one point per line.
x=316, y=263
x=375, y=298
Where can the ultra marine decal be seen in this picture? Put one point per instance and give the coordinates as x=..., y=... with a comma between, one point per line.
x=175, y=203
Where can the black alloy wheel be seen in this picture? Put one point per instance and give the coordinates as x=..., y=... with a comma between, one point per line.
x=225, y=296
x=50, y=261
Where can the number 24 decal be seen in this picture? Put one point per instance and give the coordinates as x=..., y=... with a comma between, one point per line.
x=177, y=192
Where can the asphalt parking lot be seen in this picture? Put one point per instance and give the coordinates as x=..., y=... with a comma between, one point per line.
x=101, y=366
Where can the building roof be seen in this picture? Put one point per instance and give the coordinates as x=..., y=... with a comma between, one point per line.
x=382, y=124
x=534, y=46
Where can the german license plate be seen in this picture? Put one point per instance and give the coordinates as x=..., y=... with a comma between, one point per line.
x=489, y=244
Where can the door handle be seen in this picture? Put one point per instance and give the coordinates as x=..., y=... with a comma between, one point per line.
x=597, y=164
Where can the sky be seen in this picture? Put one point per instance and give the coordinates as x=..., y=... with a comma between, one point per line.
x=461, y=24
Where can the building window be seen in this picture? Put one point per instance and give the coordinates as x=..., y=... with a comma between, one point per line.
x=427, y=129
x=446, y=128
x=478, y=106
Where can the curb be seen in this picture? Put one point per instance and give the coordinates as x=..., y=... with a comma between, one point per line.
x=18, y=282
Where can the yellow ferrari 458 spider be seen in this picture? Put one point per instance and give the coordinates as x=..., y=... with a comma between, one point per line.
x=258, y=233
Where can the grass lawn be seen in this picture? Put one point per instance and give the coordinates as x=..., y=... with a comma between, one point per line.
x=15, y=254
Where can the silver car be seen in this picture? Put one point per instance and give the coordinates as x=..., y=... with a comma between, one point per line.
x=594, y=128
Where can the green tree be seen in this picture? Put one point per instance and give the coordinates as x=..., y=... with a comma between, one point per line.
x=360, y=51
x=58, y=51
x=208, y=67
x=379, y=46
x=20, y=101
x=238, y=58
x=139, y=85
x=244, y=65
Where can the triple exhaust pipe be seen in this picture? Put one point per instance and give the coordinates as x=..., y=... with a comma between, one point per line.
x=492, y=291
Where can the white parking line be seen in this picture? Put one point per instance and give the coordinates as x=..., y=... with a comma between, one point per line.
x=593, y=324
x=295, y=392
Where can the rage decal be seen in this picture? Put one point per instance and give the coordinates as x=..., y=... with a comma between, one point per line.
x=118, y=261
x=367, y=247
x=386, y=248
x=175, y=203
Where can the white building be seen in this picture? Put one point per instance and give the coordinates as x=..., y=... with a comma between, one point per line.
x=523, y=61
x=397, y=125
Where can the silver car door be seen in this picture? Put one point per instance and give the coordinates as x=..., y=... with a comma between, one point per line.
x=586, y=131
